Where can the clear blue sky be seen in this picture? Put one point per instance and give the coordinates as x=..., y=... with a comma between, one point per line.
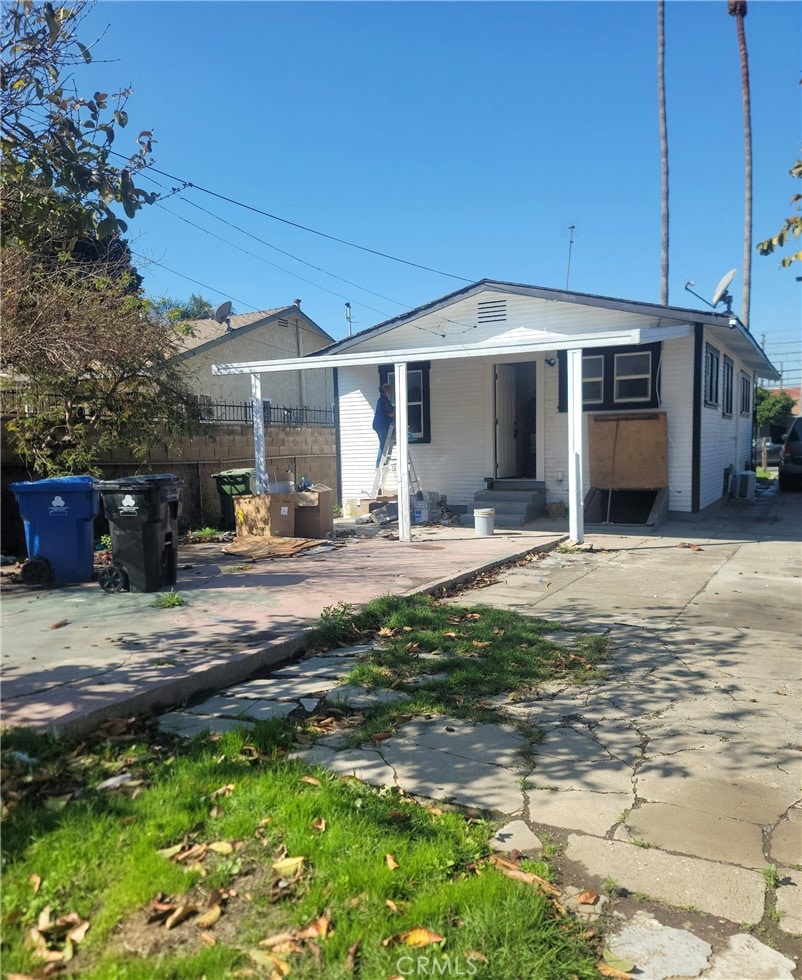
x=465, y=137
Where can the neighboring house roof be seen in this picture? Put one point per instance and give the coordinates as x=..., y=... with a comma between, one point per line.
x=726, y=325
x=209, y=333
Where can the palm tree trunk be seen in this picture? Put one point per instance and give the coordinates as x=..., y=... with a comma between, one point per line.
x=737, y=9
x=661, y=101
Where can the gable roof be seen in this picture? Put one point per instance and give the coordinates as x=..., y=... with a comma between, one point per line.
x=209, y=333
x=726, y=326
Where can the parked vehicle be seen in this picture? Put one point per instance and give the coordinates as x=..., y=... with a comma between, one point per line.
x=790, y=466
x=773, y=451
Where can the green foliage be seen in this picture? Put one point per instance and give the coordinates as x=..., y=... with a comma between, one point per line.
x=773, y=408
x=771, y=876
x=204, y=534
x=57, y=145
x=175, y=310
x=98, y=372
x=169, y=600
x=791, y=227
x=96, y=369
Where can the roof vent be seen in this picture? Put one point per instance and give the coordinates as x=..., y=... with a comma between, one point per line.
x=283, y=322
x=492, y=311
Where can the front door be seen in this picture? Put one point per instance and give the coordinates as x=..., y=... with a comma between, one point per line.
x=505, y=421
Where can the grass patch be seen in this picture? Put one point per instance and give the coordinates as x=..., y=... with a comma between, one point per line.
x=205, y=826
x=456, y=660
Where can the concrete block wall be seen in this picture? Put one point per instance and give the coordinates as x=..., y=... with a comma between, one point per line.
x=307, y=450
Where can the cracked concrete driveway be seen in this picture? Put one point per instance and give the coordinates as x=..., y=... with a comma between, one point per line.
x=678, y=772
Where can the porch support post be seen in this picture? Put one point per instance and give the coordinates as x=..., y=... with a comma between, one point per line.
x=402, y=444
x=258, y=432
x=540, y=419
x=576, y=517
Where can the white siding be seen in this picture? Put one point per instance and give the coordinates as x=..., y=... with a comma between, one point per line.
x=676, y=391
x=726, y=440
x=527, y=319
x=457, y=459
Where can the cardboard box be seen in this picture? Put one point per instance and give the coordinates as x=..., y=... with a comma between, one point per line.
x=266, y=515
x=314, y=512
x=368, y=504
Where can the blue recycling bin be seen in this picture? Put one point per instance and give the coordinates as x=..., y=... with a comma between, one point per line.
x=59, y=518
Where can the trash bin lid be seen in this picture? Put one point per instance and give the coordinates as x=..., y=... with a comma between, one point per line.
x=51, y=484
x=243, y=472
x=140, y=482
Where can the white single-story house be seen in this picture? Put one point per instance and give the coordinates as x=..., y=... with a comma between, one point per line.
x=598, y=400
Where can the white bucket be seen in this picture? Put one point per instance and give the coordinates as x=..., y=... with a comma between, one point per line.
x=484, y=521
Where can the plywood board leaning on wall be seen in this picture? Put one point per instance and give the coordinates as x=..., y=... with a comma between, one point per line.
x=628, y=452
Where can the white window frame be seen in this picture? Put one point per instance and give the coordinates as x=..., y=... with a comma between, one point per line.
x=727, y=385
x=640, y=375
x=712, y=375
x=746, y=394
x=592, y=379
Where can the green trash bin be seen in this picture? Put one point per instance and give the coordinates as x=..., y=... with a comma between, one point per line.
x=230, y=484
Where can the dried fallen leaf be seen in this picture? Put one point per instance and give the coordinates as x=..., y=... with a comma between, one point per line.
x=170, y=852
x=354, y=903
x=474, y=954
x=380, y=736
x=480, y=643
x=181, y=913
x=513, y=871
x=350, y=960
x=208, y=938
x=226, y=790
x=610, y=971
x=57, y=803
x=77, y=934
x=617, y=962
x=310, y=780
x=317, y=929
x=587, y=898
x=417, y=937
x=391, y=862
x=279, y=966
x=59, y=624
x=221, y=847
x=209, y=917
x=319, y=825
x=392, y=906
x=289, y=866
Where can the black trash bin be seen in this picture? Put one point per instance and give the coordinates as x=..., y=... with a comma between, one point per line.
x=230, y=484
x=143, y=516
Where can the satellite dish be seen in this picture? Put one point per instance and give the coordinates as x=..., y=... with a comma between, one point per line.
x=222, y=313
x=721, y=291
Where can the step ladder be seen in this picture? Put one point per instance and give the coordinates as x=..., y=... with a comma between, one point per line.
x=381, y=470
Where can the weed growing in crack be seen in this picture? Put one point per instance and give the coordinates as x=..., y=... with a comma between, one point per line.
x=771, y=876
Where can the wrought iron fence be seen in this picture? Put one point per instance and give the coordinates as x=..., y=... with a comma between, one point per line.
x=18, y=401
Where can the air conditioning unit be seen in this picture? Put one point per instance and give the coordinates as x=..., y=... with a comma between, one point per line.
x=744, y=485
